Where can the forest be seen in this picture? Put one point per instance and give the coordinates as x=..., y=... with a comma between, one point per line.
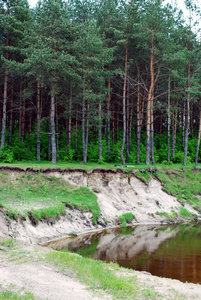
x=102, y=81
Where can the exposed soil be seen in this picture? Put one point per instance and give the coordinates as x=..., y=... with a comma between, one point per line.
x=118, y=192
x=46, y=282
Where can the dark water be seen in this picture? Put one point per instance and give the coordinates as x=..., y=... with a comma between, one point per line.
x=166, y=251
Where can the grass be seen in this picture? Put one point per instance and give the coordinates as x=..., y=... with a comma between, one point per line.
x=91, y=165
x=99, y=275
x=169, y=216
x=10, y=295
x=126, y=218
x=185, y=184
x=42, y=197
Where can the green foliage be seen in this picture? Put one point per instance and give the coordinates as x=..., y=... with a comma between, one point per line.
x=6, y=156
x=126, y=218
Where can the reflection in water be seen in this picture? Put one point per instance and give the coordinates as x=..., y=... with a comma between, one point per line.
x=167, y=251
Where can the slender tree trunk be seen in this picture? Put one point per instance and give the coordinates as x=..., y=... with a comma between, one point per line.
x=127, y=127
x=49, y=140
x=187, y=116
x=30, y=122
x=199, y=135
x=138, y=113
x=113, y=123
x=57, y=126
x=168, y=115
x=149, y=104
x=5, y=97
x=20, y=111
x=117, y=121
x=23, y=117
x=52, y=122
x=152, y=133
x=100, y=132
x=76, y=129
x=108, y=117
x=67, y=135
x=70, y=120
x=192, y=129
x=131, y=119
x=11, y=113
x=38, y=120
x=83, y=131
x=174, y=130
x=124, y=103
x=183, y=122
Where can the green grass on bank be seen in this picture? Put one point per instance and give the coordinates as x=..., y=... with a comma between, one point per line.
x=185, y=184
x=99, y=275
x=42, y=197
x=92, y=165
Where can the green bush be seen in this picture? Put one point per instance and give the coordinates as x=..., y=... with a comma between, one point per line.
x=126, y=218
x=6, y=156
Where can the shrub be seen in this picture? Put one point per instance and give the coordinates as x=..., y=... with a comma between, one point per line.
x=126, y=218
x=6, y=156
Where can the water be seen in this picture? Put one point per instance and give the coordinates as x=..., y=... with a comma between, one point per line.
x=166, y=251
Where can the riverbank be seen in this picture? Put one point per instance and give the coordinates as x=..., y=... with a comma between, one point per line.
x=38, y=205
x=33, y=272
x=31, y=212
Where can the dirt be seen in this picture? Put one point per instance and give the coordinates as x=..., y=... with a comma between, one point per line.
x=44, y=281
x=117, y=193
x=20, y=271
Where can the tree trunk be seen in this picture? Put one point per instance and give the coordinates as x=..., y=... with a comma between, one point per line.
x=127, y=127
x=187, y=116
x=168, y=115
x=83, y=132
x=11, y=113
x=100, y=155
x=49, y=141
x=174, y=130
x=57, y=126
x=69, y=120
x=138, y=113
x=113, y=123
x=199, y=135
x=52, y=122
x=124, y=104
x=76, y=129
x=152, y=132
x=131, y=119
x=38, y=120
x=183, y=122
x=5, y=97
x=108, y=116
x=23, y=117
x=149, y=108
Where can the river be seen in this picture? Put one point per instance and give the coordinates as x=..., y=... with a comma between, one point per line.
x=166, y=251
